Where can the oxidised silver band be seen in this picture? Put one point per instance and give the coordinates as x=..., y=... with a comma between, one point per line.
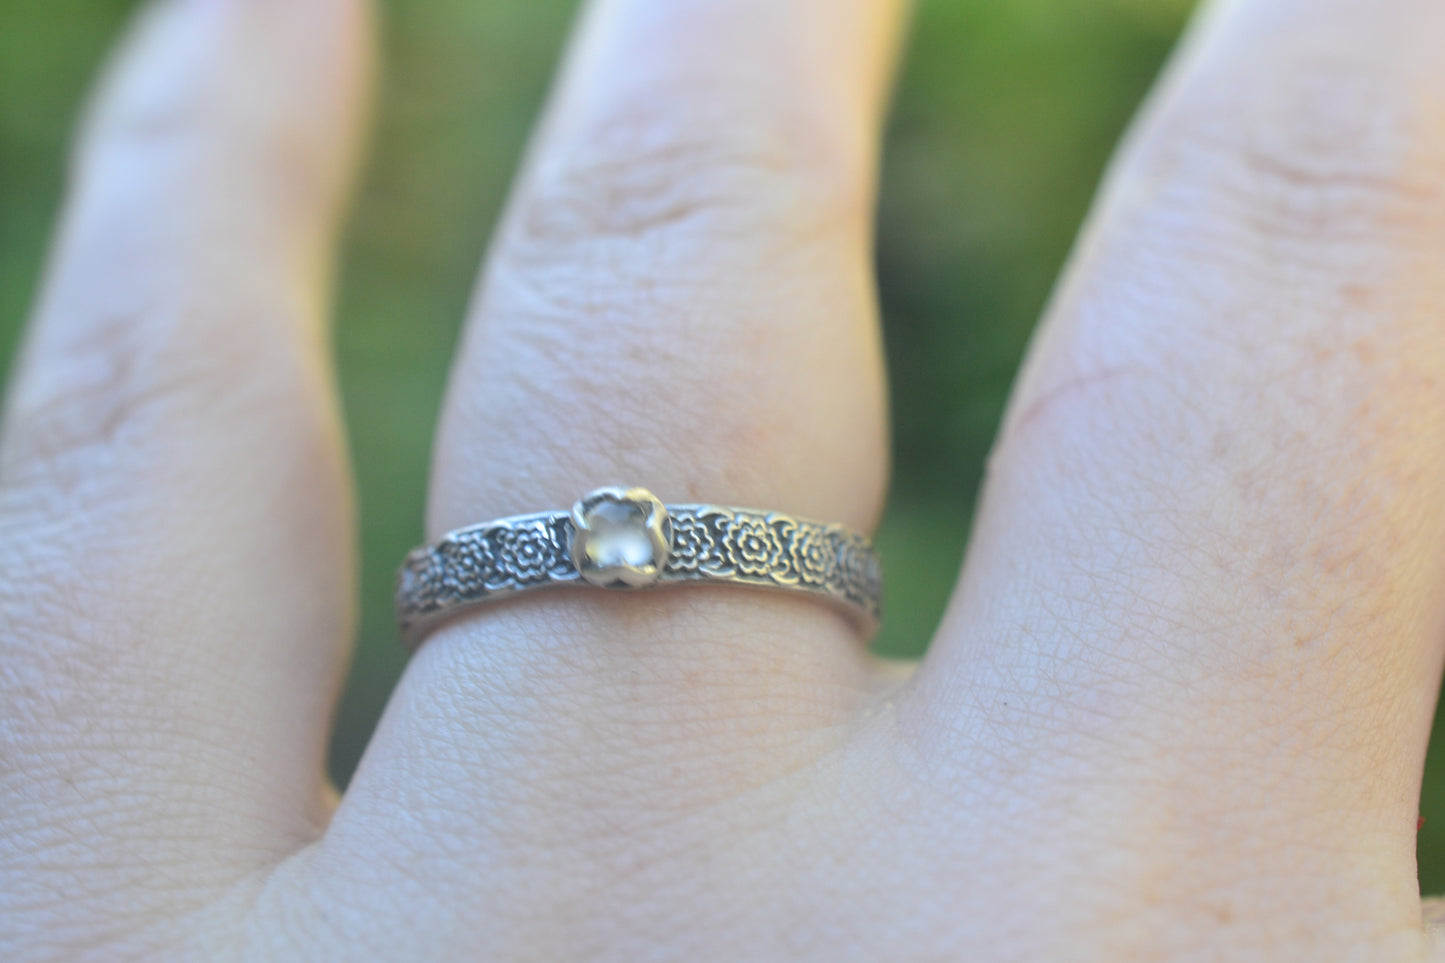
x=620, y=538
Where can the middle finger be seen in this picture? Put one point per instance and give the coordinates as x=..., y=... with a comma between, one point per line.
x=1205, y=580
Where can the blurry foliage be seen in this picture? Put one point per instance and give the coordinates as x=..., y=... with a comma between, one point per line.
x=1006, y=114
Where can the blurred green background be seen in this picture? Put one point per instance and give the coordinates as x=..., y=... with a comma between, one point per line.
x=1006, y=113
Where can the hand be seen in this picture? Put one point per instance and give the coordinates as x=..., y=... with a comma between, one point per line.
x=1179, y=706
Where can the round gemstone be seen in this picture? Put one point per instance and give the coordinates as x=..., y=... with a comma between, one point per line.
x=621, y=538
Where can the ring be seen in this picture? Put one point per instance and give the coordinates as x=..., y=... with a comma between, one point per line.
x=626, y=539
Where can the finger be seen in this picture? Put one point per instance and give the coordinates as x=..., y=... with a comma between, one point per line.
x=1433, y=913
x=680, y=298
x=174, y=526
x=1213, y=540
x=665, y=186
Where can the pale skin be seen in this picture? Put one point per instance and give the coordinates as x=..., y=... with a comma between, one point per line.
x=1178, y=708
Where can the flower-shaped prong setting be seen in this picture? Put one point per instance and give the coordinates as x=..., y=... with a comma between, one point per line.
x=621, y=537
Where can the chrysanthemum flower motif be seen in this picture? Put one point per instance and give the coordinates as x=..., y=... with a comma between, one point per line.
x=691, y=544
x=528, y=552
x=752, y=545
x=469, y=563
x=814, y=556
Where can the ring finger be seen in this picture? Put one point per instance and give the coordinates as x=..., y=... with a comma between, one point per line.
x=681, y=297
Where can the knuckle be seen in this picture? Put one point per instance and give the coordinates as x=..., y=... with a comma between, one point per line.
x=122, y=382
x=85, y=400
x=651, y=169
x=1330, y=151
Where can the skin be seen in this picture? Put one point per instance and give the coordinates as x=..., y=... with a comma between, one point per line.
x=1180, y=703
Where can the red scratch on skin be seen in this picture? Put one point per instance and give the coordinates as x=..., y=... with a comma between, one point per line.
x=1033, y=411
x=1419, y=824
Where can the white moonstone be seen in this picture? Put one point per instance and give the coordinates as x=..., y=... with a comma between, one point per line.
x=621, y=537
x=618, y=536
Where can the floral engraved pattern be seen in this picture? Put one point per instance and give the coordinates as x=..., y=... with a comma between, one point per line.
x=752, y=545
x=468, y=564
x=529, y=552
x=814, y=557
x=424, y=580
x=692, y=544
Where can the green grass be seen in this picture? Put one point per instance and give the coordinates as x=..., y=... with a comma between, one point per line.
x=1005, y=117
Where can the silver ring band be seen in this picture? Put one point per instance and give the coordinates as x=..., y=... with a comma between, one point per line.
x=625, y=538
